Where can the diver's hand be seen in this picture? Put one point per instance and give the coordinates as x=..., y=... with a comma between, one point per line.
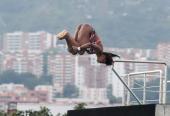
x=75, y=48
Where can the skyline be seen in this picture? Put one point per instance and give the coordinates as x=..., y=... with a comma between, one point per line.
x=66, y=68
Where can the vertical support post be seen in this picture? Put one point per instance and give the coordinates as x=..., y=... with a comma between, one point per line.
x=95, y=85
x=165, y=85
x=144, y=89
x=124, y=98
x=136, y=98
x=128, y=94
x=161, y=88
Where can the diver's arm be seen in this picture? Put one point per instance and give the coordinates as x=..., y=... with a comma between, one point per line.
x=84, y=46
x=98, y=48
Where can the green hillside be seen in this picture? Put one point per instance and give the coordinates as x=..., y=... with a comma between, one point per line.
x=120, y=23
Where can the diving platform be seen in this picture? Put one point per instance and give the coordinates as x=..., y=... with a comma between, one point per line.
x=134, y=110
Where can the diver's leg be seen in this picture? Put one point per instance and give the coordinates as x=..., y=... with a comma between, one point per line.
x=77, y=31
x=69, y=40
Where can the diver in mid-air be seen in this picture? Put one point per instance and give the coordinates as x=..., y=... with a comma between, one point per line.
x=86, y=40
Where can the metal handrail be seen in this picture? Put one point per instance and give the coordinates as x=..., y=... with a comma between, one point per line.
x=137, y=99
x=165, y=81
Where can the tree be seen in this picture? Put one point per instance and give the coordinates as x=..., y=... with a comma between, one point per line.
x=45, y=80
x=28, y=79
x=70, y=91
x=3, y=114
x=80, y=106
x=42, y=112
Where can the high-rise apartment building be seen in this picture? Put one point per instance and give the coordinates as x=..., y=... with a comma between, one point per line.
x=22, y=51
x=90, y=73
x=62, y=67
x=22, y=63
x=14, y=42
x=35, y=42
x=163, y=52
x=117, y=86
x=91, y=78
x=39, y=41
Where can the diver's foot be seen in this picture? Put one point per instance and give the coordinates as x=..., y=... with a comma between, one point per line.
x=62, y=35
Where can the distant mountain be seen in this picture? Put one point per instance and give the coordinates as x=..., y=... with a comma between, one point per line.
x=120, y=23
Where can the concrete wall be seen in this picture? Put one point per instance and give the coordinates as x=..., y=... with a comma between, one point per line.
x=162, y=110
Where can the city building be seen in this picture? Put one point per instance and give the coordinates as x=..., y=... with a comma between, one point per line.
x=11, y=87
x=39, y=41
x=95, y=95
x=163, y=52
x=11, y=92
x=19, y=93
x=35, y=42
x=44, y=93
x=90, y=73
x=22, y=63
x=117, y=86
x=91, y=79
x=62, y=68
x=14, y=42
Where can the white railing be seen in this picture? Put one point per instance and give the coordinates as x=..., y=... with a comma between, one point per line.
x=162, y=76
x=142, y=76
